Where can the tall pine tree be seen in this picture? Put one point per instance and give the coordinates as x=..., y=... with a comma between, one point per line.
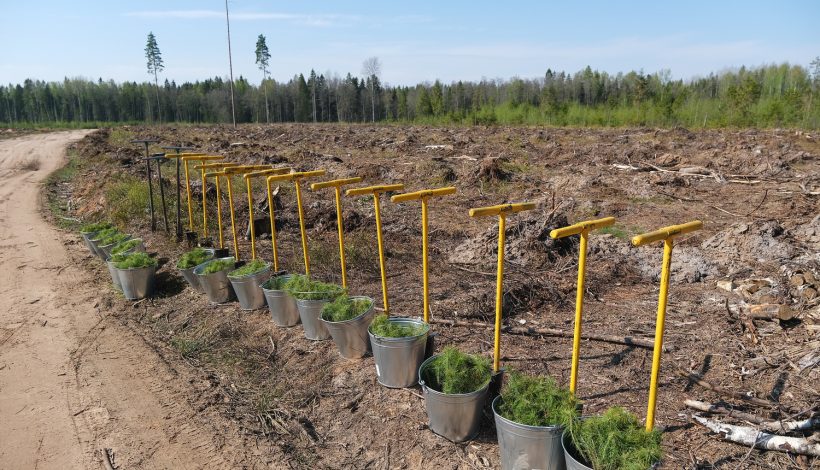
x=155, y=65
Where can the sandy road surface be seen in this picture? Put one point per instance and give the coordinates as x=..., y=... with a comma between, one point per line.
x=73, y=379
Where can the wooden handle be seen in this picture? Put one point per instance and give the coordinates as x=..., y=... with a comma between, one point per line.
x=335, y=183
x=586, y=225
x=267, y=172
x=374, y=189
x=501, y=209
x=667, y=232
x=425, y=193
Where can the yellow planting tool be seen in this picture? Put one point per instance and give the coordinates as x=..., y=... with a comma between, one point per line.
x=248, y=177
x=667, y=235
x=211, y=166
x=337, y=186
x=582, y=229
x=187, y=157
x=501, y=211
x=424, y=195
x=216, y=175
x=296, y=177
x=227, y=173
x=375, y=191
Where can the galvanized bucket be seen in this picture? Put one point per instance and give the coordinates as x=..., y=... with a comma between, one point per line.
x=216, y=285
x=454, y=416
x=523, y=447
x=282, y=306
x=398, y=359
x=138, y=248
x=193, y=279
x=309, y=313
x=87, y=236
x=97, y=251
x=137, y=283
x=247, y=289
x=115, y=275
x=106, y=249
x=571, y=455
x=350, y=336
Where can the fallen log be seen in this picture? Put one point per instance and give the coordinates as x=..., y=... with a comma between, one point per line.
x=771, y=312
x=751, y=437
x=766, y=425
x=645, y=343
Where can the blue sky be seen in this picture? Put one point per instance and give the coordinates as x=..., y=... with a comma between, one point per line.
x=415, y=40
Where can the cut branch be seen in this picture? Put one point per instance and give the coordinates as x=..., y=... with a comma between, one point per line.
x=771, y=426
x=752, y=437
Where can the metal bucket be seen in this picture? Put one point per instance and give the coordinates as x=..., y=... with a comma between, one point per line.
x=106, y=249
x=309, y=312
x=247, y=289
x=398, y=359
x=570, y=454
x=97, y=250
x=137, y=283
x=193, y=279
x=138, y=248
x=282, y=306
x=115, y=275
x=454, y=416
x=350, y=336
x=524, y=447
x=87, y=236
x=216, y=285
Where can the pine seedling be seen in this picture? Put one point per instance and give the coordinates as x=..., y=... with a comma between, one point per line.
x=616, y=440
x=537, y=401
x=251, y=268
x=455, y=372
x=135, y=261
x=219, y=265
x=383, y=327
x=302, y=288
x=193, y=258
x=125, y=246
x=95, y=227
x=344, y=308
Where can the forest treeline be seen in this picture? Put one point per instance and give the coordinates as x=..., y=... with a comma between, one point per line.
x=770, y=96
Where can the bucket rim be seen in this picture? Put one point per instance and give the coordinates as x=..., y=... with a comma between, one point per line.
x=357, y=317
x=529, y=427
x=402, y=338
x=133, y=269
x=427, y=388
x=201, y=266
x=271, y=279
x=265, y=270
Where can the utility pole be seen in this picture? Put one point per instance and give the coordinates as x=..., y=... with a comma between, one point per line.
x=230, y=63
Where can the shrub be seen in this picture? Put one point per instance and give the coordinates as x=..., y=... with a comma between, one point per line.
x=302, y=288
x=193, y=258
x=135, y=261
x=344, y=308
x=95, y=227
x=251, y=268
x=616, y=441
x=537, y=401
x=219, y=265
x=127, y=245
x=383, y=327
x=453, y=371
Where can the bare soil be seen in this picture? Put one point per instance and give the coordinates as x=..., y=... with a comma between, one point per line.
x=298, y=402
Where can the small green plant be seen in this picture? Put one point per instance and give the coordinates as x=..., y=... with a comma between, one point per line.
x=219, y=265
x=302, y=288
x=193, y=258
x=251, y=268
x=127, y=245
x=95, y=227
x=616, y=440
x=105, y=233
x=456, y=372
x=135, y=261
x=537, y=401
x=344, y=308
x=113, y=239
x=275, y=283
x=383, y=327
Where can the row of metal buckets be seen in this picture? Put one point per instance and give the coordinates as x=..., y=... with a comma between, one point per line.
x=134, y=283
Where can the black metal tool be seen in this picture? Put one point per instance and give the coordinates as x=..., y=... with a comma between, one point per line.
x=178, y=150
x=147, y=142
x=160, y=159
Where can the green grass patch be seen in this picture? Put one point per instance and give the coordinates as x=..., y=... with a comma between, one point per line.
x=616, y=231
x=127, y=200
x=134, y=261
x=188, y=347
x=453, y=372
x=219, y=265
x=344, y=308
x=383, y=327
x=302, y=288
x=127, y=245
x=253, y=267
x=616, y=440
x=193, y=258
x=536, y=401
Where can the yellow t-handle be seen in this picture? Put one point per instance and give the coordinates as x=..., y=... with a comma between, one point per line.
x=583, y=229
x=667, y=235
x=501, y=211
x=203, y=167
x=215, y=175
x=376, y=191
x=199, y=158
x=296, y=177
x=423, y=196
x=248, y=177
x=337, y=186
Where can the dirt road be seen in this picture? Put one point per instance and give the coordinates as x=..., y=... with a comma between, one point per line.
x=73, y=380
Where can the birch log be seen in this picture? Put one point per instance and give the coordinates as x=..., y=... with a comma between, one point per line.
x=761, y=440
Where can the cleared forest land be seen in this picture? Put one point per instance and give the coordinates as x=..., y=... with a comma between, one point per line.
x=297, y=400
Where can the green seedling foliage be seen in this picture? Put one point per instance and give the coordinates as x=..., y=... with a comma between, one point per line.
x=105, y=233
x=302, y=288
x=135, y=261
x=95, y=227
x=456, y=372
x=275, y=283
x=344, y=308
x=219, y=265
x=125, y=246
x=113, y=239
x=537, y=401
x=616, y=440
x=251, y=268
x=193, y=258
x=383, y=327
